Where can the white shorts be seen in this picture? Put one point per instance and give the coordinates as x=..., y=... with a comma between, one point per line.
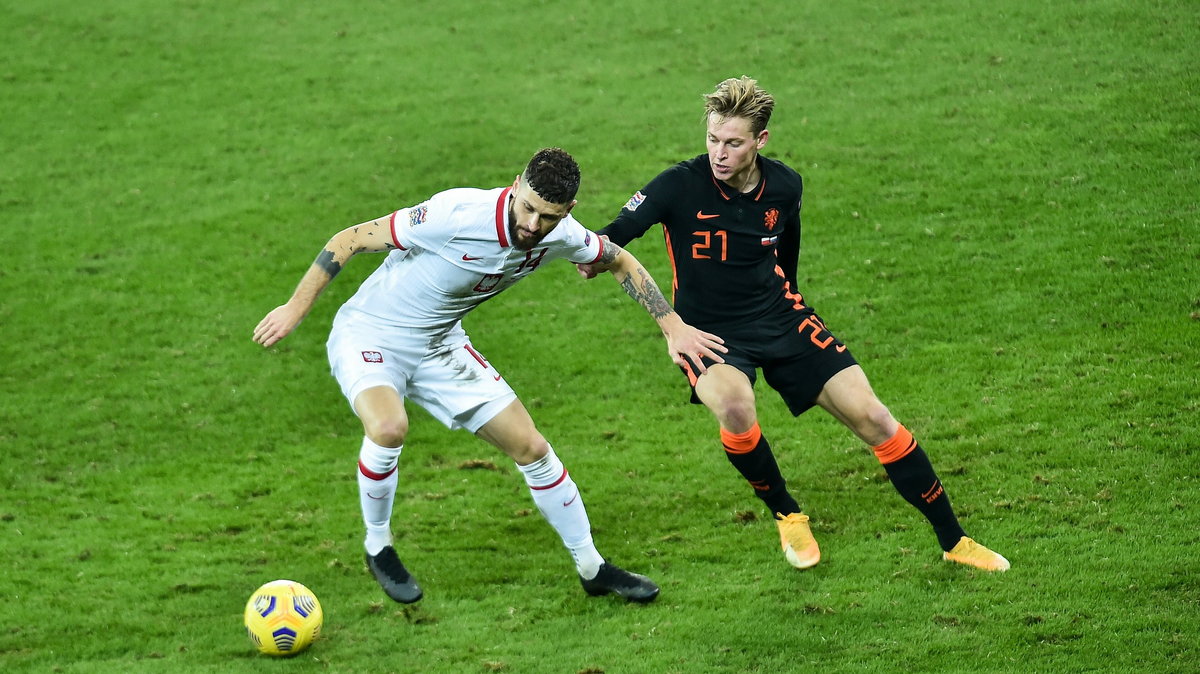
x=443, y=374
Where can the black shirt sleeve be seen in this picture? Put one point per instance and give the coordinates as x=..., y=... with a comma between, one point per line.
x=648, y=206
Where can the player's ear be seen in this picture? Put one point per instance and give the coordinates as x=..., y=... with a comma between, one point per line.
x=516, y=182
x=762, y=138
x=573, y=202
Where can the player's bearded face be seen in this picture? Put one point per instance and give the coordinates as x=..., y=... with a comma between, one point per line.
x=732, y=149
x=530, y=217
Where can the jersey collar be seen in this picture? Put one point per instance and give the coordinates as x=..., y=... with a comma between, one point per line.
x=721, y=187
x=501, y=216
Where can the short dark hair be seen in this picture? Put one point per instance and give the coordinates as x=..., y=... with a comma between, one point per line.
x=554, y=175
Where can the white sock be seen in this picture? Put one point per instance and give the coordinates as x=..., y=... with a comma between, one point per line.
x=557, y=497
x=377, y=479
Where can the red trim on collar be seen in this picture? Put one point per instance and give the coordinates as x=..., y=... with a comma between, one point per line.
x=501, y=230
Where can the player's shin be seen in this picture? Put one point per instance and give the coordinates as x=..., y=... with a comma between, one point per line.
x=558, y=499
x=913, y=476
x=751, y=455
x=377, y=479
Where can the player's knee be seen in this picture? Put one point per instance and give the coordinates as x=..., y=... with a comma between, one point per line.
x=387, y=432
x=736, y=414
x=529, y=450
x=877, y=424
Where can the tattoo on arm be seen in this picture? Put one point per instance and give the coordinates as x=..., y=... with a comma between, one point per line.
x=326, y=262
x=387, y=245
x=609, y=253
x=647, y=294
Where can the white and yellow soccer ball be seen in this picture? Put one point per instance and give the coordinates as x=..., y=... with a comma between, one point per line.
x=283, y=617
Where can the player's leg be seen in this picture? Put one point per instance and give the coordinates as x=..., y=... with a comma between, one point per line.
x=847, y=396
x=557, y=498
x=729, y=394
x=369, y=367
x=554, y=491
x=385, y=425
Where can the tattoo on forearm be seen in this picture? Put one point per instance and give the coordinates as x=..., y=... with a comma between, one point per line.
x=647, y=294
x=610, y=253
x=326, y=262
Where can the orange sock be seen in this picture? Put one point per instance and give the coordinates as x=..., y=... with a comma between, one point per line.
x=741, y=443
x=897, y=447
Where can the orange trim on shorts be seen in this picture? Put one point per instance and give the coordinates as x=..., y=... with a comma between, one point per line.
x=899, y=446
x=691, y=374
x=741, y=443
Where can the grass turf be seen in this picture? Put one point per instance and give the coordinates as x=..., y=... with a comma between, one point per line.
x=1000, y=219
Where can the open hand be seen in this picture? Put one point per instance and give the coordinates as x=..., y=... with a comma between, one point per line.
x=277, y=324
x=688, y=346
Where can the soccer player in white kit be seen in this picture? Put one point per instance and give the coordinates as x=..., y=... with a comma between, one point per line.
x=400, y=336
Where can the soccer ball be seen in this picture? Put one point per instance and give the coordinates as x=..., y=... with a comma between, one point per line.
x=283, y=617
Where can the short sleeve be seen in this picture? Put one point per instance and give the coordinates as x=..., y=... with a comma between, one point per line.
x=646, y=208
x=583, y=245
x=420, y=227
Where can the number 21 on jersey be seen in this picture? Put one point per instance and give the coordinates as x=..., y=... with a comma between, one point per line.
x=704, y=248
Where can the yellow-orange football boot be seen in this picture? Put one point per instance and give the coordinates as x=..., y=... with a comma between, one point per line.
x=973, y=554
x=799, y=546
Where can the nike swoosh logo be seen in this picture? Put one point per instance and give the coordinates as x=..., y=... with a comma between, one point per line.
x=840, y=348
x=701, y=215
x=497, y=377
x=567, y=503
x=376, y=498
x=468, y=258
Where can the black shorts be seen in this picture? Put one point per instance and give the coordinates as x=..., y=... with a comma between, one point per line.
x=797, y=364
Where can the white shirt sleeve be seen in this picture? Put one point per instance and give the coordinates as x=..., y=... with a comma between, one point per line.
x=426, y=225
x=585, y=244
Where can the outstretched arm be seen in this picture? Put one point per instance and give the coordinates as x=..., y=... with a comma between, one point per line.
x=368, y=237
x=682, y=339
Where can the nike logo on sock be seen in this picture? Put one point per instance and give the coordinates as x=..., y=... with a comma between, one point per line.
x=572, y=499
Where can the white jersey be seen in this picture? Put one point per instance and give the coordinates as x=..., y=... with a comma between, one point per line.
x=452, y=253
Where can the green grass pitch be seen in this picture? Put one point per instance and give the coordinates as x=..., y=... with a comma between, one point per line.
x=1000, y=219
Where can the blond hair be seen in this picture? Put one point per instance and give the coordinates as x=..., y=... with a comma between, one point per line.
x=740, y=97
